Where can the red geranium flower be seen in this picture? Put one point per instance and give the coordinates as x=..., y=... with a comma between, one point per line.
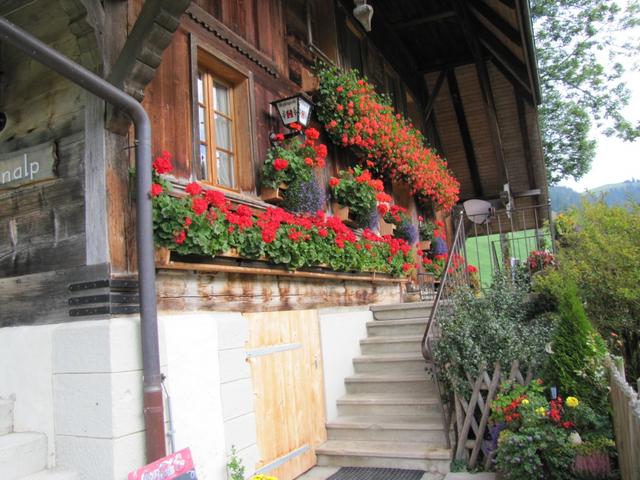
x=312, y=134
x=193, y=188
x=162, y=164
x=308, y=161
x=156, y=189
x=278, y=137
x=334, y=182
x=199, y=206
x=295, y=126
x=180, y=237
x=280, y=164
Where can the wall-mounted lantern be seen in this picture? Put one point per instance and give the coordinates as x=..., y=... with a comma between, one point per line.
x=296, y=109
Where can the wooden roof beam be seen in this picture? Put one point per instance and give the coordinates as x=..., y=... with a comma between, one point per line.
x=517, y=86
x=481, y=9
x=432, y=98
x=436, y=17
x=465, y=133
x=503, y=55
x=471, y=35
x=509, y=3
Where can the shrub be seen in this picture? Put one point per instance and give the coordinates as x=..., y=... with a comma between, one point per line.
x=576, y=363
x=497, y=326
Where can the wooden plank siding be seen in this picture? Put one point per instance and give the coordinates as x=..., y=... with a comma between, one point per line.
x=189, y=291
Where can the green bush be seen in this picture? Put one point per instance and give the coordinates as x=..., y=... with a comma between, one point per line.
x=576, y=364
x=600, y=251
x=497, y=326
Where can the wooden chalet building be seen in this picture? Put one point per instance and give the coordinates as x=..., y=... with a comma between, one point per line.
x=255, y=356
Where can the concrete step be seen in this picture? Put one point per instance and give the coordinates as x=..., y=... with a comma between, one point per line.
x=400, y=344
x=56, y=474
x=390, y=363
x=402, y=311
x=384, y=455
x=6, y=416
x=412, y=384
x=378, y=404
x=421, y=429
x=395, y=328
x=22, y=454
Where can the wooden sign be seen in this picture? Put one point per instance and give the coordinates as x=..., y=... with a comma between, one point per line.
x=177, y=466
x=30, y=165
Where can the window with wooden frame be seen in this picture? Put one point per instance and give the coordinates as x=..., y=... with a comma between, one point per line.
x=223, y=125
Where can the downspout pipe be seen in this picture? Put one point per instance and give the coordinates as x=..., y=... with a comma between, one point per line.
x=31, y=46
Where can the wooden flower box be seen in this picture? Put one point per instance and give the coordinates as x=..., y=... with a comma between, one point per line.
x=343, y=214
x=274, y=195
x=424, y=245
x=162, y=255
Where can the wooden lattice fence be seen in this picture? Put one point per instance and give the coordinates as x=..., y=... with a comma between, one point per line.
x=472, y=414
x=626, y=422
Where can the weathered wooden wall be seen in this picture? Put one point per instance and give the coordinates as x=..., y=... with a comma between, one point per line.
x=249, y=293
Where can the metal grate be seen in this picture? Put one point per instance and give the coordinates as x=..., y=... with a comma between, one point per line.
x=357, y=473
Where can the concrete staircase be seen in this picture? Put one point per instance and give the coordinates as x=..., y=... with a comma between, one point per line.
x=391, y=416
x=23, y=456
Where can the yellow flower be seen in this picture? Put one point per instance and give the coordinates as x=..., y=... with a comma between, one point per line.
x=572, y=402
x=541, y=411
x=525, y=402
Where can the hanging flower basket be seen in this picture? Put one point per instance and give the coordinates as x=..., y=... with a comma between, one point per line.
x=274, y=195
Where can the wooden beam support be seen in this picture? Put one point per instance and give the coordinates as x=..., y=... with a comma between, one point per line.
x=481, y=9
x=438, y=66
x=509, y=3
x=432, y=98
x=502, y=54
x=142, y=52
x=526, y=142
x=485, y=87
x=436, y=17
x=517, y=86
x=467, y=142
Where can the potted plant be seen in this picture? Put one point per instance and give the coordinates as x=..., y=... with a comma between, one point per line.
x=289, y=160
x=355, y=195
x=425, y=230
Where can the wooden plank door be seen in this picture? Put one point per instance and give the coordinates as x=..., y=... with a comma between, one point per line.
x=284, y=352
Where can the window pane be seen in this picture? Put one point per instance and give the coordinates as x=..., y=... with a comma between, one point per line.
x=222, y=99
x=200, y=88
x=201, y=124
x=225, y=169
x=203, y=171
x=223, y=133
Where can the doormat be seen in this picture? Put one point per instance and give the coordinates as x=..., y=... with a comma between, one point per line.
x=358, y=473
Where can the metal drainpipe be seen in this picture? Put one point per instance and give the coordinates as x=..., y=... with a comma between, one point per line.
x=31, y=46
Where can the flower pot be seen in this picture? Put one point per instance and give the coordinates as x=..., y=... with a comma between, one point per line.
x=424, y=245
x=342, y=213
x=162, y=255
x=274, y=195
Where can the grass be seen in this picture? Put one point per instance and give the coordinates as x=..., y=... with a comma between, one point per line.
x=480, y=250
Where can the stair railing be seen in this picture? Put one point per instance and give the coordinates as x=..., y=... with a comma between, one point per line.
x=454, y=276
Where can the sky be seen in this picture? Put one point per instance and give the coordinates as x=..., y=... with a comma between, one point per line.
x=616, y=160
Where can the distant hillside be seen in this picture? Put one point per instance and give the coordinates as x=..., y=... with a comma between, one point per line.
x=563, y=198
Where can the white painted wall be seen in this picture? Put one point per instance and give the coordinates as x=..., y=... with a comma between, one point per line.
x=341, y=330
x=25, y=374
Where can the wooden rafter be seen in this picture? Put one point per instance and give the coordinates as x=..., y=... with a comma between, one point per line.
x=432, y=97
x=481, y=9
x=526, y=142
x=465, y=134
x=436, y=17
x=509, y=3
x=502, y=54
x=471, y=36
x=517, y=86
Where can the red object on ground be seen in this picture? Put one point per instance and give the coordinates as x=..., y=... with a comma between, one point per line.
x=177, y=466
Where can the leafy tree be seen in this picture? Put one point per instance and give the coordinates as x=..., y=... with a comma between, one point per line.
x=602, y=256
x=581, y=47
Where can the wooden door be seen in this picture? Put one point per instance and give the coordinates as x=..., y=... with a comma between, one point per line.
x=286, y=369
